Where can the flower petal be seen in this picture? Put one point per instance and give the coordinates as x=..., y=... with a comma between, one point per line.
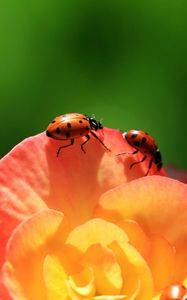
x=26, y=249
x=83, y=283
x=136, y=235
x=138, y=279
x=152, y=202
x=108, y=276
x=55, y=279
x=93, y=232
x=161, y=261
x=108, y=297
x=4, y=294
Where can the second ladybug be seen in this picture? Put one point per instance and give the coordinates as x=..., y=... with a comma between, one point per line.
x=72, y=126
x=144, y=143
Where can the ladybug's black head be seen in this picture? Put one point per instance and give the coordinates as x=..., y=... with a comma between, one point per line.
x=99, y=124
x=95, y=125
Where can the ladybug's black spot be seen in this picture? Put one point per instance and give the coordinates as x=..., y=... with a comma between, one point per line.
x=68, y=125
x=134, y=135
x=68, y=134
x=151, y=152
x=80, y=121
x=53, y=121
x=87, y=128
x=157, y=157
x=137, y=143
x=58, y=130
x=48, y=133
x=144, y=140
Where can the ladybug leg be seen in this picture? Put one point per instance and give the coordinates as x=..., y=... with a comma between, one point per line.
x=95, y=136
x=134, y=152
x=59, y=149
x=88, y=137
x=150, y=165
x=138, y=162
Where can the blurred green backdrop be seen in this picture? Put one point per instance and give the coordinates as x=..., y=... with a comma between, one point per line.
x=124, y=61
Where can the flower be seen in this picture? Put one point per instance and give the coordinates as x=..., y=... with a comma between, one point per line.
x=87, y=227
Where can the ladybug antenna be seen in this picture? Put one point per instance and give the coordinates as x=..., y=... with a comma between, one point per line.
x=122, y=131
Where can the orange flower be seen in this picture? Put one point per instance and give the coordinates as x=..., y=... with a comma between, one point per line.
x=85, y=226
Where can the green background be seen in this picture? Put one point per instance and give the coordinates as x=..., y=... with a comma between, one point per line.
x=124, y=61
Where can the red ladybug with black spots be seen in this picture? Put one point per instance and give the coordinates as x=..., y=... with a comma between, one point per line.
x=144, y=143
x=72, y=126
x=174, y=292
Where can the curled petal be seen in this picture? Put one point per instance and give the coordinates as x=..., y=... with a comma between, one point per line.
x=143, y=200
x=108, y=297
x=29, y=244
x=83, y=283
x=138, y=281
x=55, y=279
x=107, y=271
x=93, y=232
x=137, y=236
x=161, y=261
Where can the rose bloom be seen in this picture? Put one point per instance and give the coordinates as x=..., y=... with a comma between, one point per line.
x=85, y=226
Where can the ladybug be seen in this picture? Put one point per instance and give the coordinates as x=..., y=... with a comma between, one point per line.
x=144, y=143
x=174, y=292
x=73, y=126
